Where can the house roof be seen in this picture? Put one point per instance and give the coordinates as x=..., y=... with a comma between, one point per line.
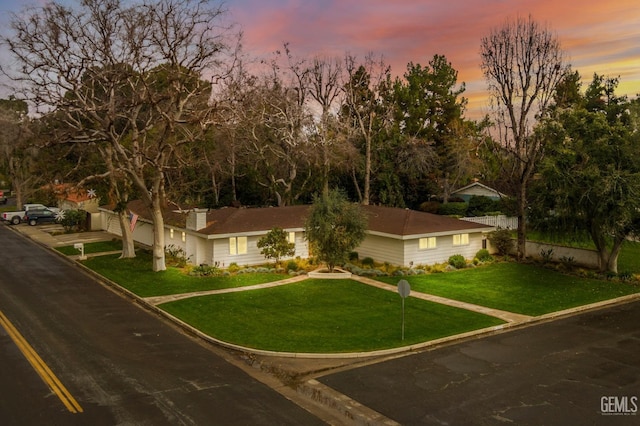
x=479, y=185
x=404, y=222
x=384, y=220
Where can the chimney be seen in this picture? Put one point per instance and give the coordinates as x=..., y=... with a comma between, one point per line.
x=197, y=219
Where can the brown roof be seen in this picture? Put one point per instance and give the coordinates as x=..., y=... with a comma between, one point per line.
x=235, y=220
x=396, y=221
x=387, y=220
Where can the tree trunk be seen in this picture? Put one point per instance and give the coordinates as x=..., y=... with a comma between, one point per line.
x=522, y=222
x=367, y=172
x=128, y=246
x=158, y=235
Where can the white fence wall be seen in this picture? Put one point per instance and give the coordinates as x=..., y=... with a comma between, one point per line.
x=499, y=221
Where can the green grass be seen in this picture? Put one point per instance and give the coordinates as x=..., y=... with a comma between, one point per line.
x=323, y=316
x=629, y=259
x=519, y=288
x=89, y=248
x=136, y=276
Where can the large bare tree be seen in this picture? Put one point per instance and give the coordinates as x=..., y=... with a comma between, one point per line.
x=523, y=63
x=127, y=74
x=362, y=100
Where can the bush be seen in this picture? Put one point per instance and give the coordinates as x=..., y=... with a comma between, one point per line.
x=483, y=255
x=292, y=265
x=353, y=256
x=453, y=209
x=430, y=206
x=204, y=271
x=367, y=261
x=458, y=261
x=501, y=241
x=480, y=205
x=175, y=256
x=74, y=220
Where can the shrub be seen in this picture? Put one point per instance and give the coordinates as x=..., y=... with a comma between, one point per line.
x=74, y=220
x=453, y=209
x=367, y=261
x=430, y=206
x=353, y=256
x=204, y=271
x=501, y=241
x=480, y=205
x=483, y=255
x=175, y=256
x=457, y=261
x=233, y=268
x=292, y=265
x=546, y=255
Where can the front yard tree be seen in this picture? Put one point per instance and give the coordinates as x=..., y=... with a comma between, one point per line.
x=523, y=64
x=334, y=228
x=590, y=179
x=275, y=245
x=17, y=156
x=127, y=74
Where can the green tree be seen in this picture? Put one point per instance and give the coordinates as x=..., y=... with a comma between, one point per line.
x=334, y=228
x=590, y=177
x=275, y=245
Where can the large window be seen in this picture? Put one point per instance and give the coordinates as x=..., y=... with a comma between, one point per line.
x=427, y=243
x=291, y=238
x=237, y=245
x=460, y=239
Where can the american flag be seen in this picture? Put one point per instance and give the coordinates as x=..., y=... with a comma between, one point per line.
x=133, y=218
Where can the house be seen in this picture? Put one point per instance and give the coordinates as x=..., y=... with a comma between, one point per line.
x=230, y=235
x=477, y=189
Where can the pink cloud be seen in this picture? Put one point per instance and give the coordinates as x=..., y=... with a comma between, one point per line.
x=602, y=37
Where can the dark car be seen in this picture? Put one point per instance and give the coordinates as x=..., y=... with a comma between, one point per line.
x=38, y=216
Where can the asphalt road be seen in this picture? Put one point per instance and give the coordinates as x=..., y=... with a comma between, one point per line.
x=119, y=363
x=582, y=370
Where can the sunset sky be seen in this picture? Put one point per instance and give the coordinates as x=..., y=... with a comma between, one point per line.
x=597, y=36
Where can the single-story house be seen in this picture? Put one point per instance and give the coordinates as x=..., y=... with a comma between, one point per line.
x=477, y=189
x=230, y=235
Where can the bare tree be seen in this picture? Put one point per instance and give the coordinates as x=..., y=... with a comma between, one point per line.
x=325, y=76
x=127, y=75
x=362, y=99
x=17, y=157
x=523, y=64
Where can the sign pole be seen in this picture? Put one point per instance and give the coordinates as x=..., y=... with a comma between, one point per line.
x=404, y=289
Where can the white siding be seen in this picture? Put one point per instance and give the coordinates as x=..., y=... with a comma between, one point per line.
x=382, y=249
x=404, y=252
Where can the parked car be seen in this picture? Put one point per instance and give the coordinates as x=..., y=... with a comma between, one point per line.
x=38, y=216
x=3, y=198
x=16, y=217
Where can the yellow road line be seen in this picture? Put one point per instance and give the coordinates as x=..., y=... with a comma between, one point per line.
x=39, y=365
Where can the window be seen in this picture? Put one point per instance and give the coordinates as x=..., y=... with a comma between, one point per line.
x=184, y=237
x=291, y=238
x=460, y=239
x=237, y=245
x=427, y=243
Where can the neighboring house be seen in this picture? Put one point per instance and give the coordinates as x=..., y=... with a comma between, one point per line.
x=71, y=198
x=230, y=235
x=477, y=189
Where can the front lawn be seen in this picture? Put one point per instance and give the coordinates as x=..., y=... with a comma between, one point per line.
x=136, y=276
x=520, y=288
x=90, y=248
x=323, y=316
